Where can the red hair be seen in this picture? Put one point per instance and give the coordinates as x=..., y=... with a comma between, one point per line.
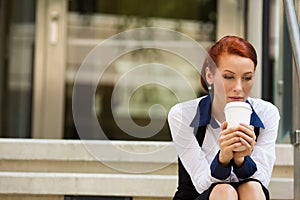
x=227, y=45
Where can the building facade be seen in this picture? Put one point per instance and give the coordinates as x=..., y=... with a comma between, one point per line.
x=45, y=43
x=107, y=72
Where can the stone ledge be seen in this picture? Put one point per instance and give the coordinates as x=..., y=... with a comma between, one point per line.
x=114, y=151
x=87, y=184
x=133, y=185
x=284, y=155
x=281, y=188
x=69, y=168
x=87, y=150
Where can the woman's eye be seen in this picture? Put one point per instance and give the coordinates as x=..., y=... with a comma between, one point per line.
x=228, y=77
x=247, y=78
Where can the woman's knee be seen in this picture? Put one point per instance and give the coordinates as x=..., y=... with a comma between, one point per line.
x=251, y=190
x=223, y=191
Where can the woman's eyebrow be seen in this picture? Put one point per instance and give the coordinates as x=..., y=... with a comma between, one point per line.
x=248, y=73
x=226, y=70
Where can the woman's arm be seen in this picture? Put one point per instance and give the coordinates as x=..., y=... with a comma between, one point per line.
x=187, y=147
x=230, y=139
x=264, y=150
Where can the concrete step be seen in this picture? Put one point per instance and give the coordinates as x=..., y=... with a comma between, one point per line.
x=134, y=185
x=139, y=169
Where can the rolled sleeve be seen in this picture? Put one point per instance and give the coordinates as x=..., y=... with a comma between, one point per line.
x=247, y=169
x=219, y=171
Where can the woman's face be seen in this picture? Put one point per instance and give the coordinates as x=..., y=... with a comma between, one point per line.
x=233, y=78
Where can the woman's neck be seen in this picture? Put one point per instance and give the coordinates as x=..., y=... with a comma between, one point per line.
x=217, y=111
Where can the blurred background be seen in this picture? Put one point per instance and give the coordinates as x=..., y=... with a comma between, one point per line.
x=44, y=42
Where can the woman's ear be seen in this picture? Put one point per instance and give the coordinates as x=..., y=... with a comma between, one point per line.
x=209, y=76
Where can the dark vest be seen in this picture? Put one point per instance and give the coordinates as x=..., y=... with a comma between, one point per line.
x=186, y=189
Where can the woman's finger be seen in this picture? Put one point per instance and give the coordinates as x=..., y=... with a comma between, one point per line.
x=248, y=130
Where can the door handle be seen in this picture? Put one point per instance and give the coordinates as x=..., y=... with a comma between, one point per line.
x=53, y=36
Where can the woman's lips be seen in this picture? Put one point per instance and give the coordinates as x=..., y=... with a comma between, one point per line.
x=236, y=98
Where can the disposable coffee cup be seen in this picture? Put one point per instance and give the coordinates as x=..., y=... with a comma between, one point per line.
x=236, y=113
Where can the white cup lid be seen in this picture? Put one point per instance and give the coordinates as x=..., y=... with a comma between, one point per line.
x=237, y=104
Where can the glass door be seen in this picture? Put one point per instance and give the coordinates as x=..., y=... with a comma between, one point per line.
x=67, y=32
x=17, y=42
x=92, y=22
x=286, y=85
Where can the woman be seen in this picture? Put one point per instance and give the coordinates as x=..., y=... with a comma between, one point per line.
x=209, y=168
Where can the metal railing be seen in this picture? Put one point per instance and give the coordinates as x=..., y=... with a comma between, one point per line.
x=293, y=28
x=297, y=165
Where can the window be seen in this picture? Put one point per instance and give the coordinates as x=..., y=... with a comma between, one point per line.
x=17, y=30
x=92, y=22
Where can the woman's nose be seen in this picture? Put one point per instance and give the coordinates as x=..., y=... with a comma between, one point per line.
x=238, y=85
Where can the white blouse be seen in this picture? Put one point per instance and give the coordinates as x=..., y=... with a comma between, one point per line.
x=197, y=160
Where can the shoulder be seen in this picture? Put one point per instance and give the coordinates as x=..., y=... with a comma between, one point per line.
x=184, y=110
x=264, y=109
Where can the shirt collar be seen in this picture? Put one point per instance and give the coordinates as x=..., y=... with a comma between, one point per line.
x=255, y=120
x=203, y=117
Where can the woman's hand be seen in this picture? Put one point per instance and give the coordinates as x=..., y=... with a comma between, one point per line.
x=247, y=139
x=229, y=140
x=232, y=138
